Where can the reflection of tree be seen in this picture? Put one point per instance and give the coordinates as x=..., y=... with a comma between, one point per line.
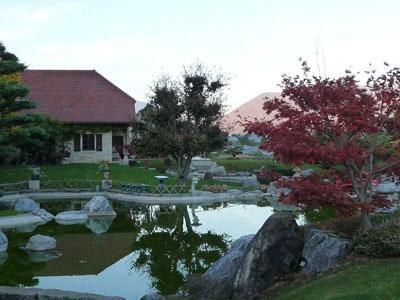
x=18, y=268
x=169, y=250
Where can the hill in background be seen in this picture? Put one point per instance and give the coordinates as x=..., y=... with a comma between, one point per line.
x=249, y=110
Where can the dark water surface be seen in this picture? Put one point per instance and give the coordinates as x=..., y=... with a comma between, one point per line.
x=146, y=248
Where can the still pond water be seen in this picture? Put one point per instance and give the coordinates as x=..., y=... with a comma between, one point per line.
x=146, y=248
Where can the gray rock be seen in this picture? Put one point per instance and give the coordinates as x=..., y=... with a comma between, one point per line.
x=235, y=192
x=3, y=257
x=43, y=256
x=40, y=242
x=253, y=195
x=222, y=272
x=322, y=250
x=152, y=296
x=274, y=252
x=307, y=172
x=3, y=242
x=99, y=206
x=218, y=171
x=272, y=189
x=100, y=225
x=71, y=217
x=26, y=204
x=23, y=293
x=43, y=214
x=249, y=182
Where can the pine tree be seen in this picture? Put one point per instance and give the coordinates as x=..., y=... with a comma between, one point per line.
x=18, y=130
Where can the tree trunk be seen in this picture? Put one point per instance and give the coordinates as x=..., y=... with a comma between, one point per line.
x=366, y=220
x=183, y=169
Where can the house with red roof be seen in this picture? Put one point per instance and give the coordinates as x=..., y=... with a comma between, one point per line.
x=100, y=110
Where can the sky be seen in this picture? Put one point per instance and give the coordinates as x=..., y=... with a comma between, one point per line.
x=132, y=43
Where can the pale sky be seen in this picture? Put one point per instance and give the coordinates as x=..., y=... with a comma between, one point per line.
x=133, y=42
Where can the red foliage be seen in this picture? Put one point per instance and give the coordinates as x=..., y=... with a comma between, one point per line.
x=342, y=125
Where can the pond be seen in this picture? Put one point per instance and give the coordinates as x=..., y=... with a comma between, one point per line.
x=145, y=248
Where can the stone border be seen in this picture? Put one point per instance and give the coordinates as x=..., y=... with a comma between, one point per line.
x=201, y=197
x=7, y=292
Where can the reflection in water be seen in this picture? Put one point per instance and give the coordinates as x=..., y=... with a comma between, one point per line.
x=169, y=250
x=148, y=248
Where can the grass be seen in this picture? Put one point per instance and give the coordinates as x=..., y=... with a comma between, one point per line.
x=242, y=165
x=9, y=212
x=376, y=279
x=118, y=173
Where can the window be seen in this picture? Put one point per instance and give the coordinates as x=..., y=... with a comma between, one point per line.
x=99, y=142
x=88, y=142
x=77, y=143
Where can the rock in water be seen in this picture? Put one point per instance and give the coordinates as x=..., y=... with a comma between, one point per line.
x=152, y=296
x=40, y=242
x=26, y=204
x=322, y=250
x=99, y=206
x=43, y=214
x=71, y=217
x=274, y=252
x=3, y=242
x=222, y=272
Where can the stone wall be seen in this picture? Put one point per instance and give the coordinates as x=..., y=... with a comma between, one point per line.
x=91, y=156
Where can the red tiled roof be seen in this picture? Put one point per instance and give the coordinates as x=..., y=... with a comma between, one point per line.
x=78, y=96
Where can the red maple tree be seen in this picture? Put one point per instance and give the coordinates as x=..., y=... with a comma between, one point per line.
x=348, y=128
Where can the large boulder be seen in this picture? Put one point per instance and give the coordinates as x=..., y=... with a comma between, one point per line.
x=3, y=242
x=218, y=171
x=40, y=242
x=274, y=252
x=249, y=182
x=43, y=214
x=273, y=189
x=26, y=204
x=153, y=296
x=387, y=187
x=71, y=217
x=222, y=272
x=99, y=206
x=323, y=250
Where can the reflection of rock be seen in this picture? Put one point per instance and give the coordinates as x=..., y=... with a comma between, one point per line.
x=100, y=225
x=26, y=204
x=99, y=206
x=3, y=257
x=322, y=250
x=40, y=242
x=221, y=274
x=71, y=217
x=28, y=228
x=42, y=256
x=3, y=242
x=274, y=252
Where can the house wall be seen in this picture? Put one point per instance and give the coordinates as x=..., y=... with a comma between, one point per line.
x=91, y=156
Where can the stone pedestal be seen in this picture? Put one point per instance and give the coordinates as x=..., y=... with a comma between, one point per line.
x=34, y=184
x=124, y=161
x=106, y=184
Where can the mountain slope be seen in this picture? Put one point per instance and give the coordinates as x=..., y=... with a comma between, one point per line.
x=249, y=110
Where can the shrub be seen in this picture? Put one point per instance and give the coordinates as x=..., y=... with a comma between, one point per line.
x=162, y=169
x=382, y=240
x=345, y=226
x=215, y=188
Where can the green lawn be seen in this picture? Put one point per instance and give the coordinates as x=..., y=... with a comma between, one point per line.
x=8, y=212
x=241, y=165
x=377, y=279
x=118, y=173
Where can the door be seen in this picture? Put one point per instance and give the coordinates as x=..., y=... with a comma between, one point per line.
x=118, y=145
